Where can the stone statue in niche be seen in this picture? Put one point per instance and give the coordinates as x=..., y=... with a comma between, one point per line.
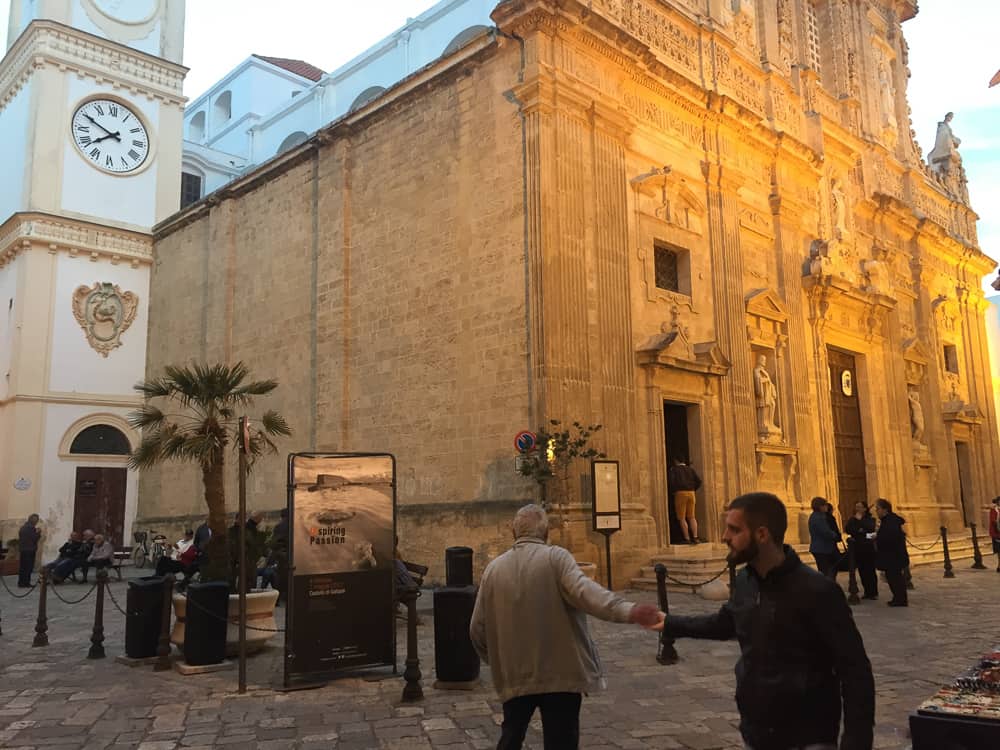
x=766, y=394
x=916, y=418
x=839, y=214
x=886, y=91
x=944, y=157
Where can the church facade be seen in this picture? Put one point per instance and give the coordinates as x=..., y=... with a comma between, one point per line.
x=91, y=111
x=703, y=224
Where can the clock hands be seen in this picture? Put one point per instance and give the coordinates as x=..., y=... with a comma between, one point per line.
x=116, y=135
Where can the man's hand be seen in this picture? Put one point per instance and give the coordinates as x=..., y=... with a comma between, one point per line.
x=644, y=614
x=658, y=625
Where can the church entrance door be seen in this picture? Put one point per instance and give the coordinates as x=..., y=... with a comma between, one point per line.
x=848, y=440
x=675, y=432
x=100, y=502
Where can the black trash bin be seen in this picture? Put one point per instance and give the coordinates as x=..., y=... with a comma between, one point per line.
x=205, y=623
x=455, y=659
x=458, y=566
x=143, y=616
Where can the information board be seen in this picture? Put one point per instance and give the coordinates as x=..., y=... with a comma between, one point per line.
x=342, y=513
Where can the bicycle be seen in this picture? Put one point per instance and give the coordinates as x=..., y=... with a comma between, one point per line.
x=141, y=552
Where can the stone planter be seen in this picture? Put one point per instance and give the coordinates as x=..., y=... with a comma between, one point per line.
x=260, y=614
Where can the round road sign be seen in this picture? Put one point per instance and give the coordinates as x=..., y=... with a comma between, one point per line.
x=525, y=441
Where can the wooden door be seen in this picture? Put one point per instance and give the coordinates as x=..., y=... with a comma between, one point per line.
x=848, y=439
x=100, y=502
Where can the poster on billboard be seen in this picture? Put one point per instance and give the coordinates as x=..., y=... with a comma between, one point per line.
x=342, y=511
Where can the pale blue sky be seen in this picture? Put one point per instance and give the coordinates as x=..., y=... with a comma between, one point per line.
x=953, y=55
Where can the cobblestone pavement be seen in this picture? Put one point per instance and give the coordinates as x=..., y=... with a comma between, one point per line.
x=55, y=697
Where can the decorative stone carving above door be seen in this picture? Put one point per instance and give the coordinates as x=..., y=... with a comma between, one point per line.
x=104, y=312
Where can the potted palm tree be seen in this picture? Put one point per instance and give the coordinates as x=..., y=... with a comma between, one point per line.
x=205, y=403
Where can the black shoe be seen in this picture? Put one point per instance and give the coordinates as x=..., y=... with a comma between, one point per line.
x=870, y=596
x=898, y=604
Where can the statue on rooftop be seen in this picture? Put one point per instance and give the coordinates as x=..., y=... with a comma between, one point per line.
x=944, y=157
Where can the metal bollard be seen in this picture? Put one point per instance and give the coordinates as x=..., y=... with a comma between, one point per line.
x=97, y=637
x=852, y=583
x=976, y=554
x=948, y=572
x=42, y=624
x=412, y=691
x=163, y=647
x=665, y=651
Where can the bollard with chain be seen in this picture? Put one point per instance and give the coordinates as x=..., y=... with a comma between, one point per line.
x=665, y=652
x=976, y=554
x=412, y=691
x=852, y=570
x=163, y=647
x=948, y=572
x=97, y=637
x=42, y=624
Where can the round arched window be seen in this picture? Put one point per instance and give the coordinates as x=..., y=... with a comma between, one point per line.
x=101, y=439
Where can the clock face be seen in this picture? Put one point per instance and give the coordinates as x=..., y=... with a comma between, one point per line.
x=127, y=11
x=110, y=135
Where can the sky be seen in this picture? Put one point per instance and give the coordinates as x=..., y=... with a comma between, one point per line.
x=952, y=58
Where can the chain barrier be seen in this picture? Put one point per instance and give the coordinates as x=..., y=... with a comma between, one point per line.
x=55, y=590
x=696, y=584
x=229, y=620
x=113, y=600
x=3, y=579
x=923, y=549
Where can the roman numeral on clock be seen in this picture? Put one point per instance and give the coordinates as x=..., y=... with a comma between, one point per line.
x=84, y=140
x=113, y=110
x=100, y=109
x=109, y=162
x=95, y=153
x=139, y=144
x=133, y=154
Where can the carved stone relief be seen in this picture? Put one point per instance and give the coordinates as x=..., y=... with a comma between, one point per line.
x=104, y=312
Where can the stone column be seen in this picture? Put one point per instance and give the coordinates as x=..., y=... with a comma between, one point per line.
x=739, y=422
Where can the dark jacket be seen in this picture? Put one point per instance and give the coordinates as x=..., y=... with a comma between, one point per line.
x=890, y=544
x=822, y=539
x=856, y=530
x=71, y=549
x=799, y=652
x=28, y=538
x=682, y=477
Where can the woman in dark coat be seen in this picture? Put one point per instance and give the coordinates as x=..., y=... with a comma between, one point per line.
x=890, y=551
x=860, y=529
x=823, y=539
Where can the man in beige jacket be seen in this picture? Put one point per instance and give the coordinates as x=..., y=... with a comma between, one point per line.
x=530, y=626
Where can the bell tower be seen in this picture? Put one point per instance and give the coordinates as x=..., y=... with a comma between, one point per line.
x=91, y=110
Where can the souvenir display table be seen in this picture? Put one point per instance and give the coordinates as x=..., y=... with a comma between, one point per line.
x=964, y=715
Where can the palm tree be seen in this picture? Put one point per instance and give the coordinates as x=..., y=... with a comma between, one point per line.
x=211, y=398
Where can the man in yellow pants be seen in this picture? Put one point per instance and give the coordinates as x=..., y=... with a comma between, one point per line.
x=683, y=481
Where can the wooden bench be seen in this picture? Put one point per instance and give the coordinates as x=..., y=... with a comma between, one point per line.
x=416, y=571
x=122, y=557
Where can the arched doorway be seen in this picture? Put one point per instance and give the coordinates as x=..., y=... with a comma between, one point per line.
x=99, y=490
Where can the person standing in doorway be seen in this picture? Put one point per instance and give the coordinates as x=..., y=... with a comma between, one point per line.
x=530, y=625
x=823, y=539
x=683, y=481
x=995, y=529
x=800, y=650
x=890, y=551
x=860, y=529
x=27, y=539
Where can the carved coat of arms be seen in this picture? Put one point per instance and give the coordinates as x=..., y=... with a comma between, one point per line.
x=104, y=312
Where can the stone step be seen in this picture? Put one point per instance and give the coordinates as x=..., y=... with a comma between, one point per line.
x=695, y=564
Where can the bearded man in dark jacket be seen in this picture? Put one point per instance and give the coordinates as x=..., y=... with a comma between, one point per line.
x=800, y=651
x=890, y=551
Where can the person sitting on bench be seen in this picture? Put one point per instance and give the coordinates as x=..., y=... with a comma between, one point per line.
x=173, y=563
x=62, y=566
x=103, y=554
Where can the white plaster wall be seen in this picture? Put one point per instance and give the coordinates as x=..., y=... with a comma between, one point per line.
x=150, y=44
x=75, y=366
x=304, y=116
x=8, y=322
x=123, y=199
x=14, y=136
x=58, y=477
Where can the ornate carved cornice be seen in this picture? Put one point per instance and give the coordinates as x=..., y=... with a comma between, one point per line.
x=47, y=43
x=77, y=238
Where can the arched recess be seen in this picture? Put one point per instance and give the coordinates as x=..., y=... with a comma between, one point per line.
x=369, y=94
x=79, y=440
x=223, y=108
x=464, y=38
x=196, y=128
x=293, y=140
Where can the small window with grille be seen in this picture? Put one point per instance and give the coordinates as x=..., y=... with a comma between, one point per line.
x=667, y=268
x=951, y=358
x=813, y=39
x=190, y=189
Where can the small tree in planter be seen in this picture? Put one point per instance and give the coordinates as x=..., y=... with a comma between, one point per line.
x=555, y=453
x=209, y=401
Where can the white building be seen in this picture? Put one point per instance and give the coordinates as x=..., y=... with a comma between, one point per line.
x=266, y=105
x=91, y=113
